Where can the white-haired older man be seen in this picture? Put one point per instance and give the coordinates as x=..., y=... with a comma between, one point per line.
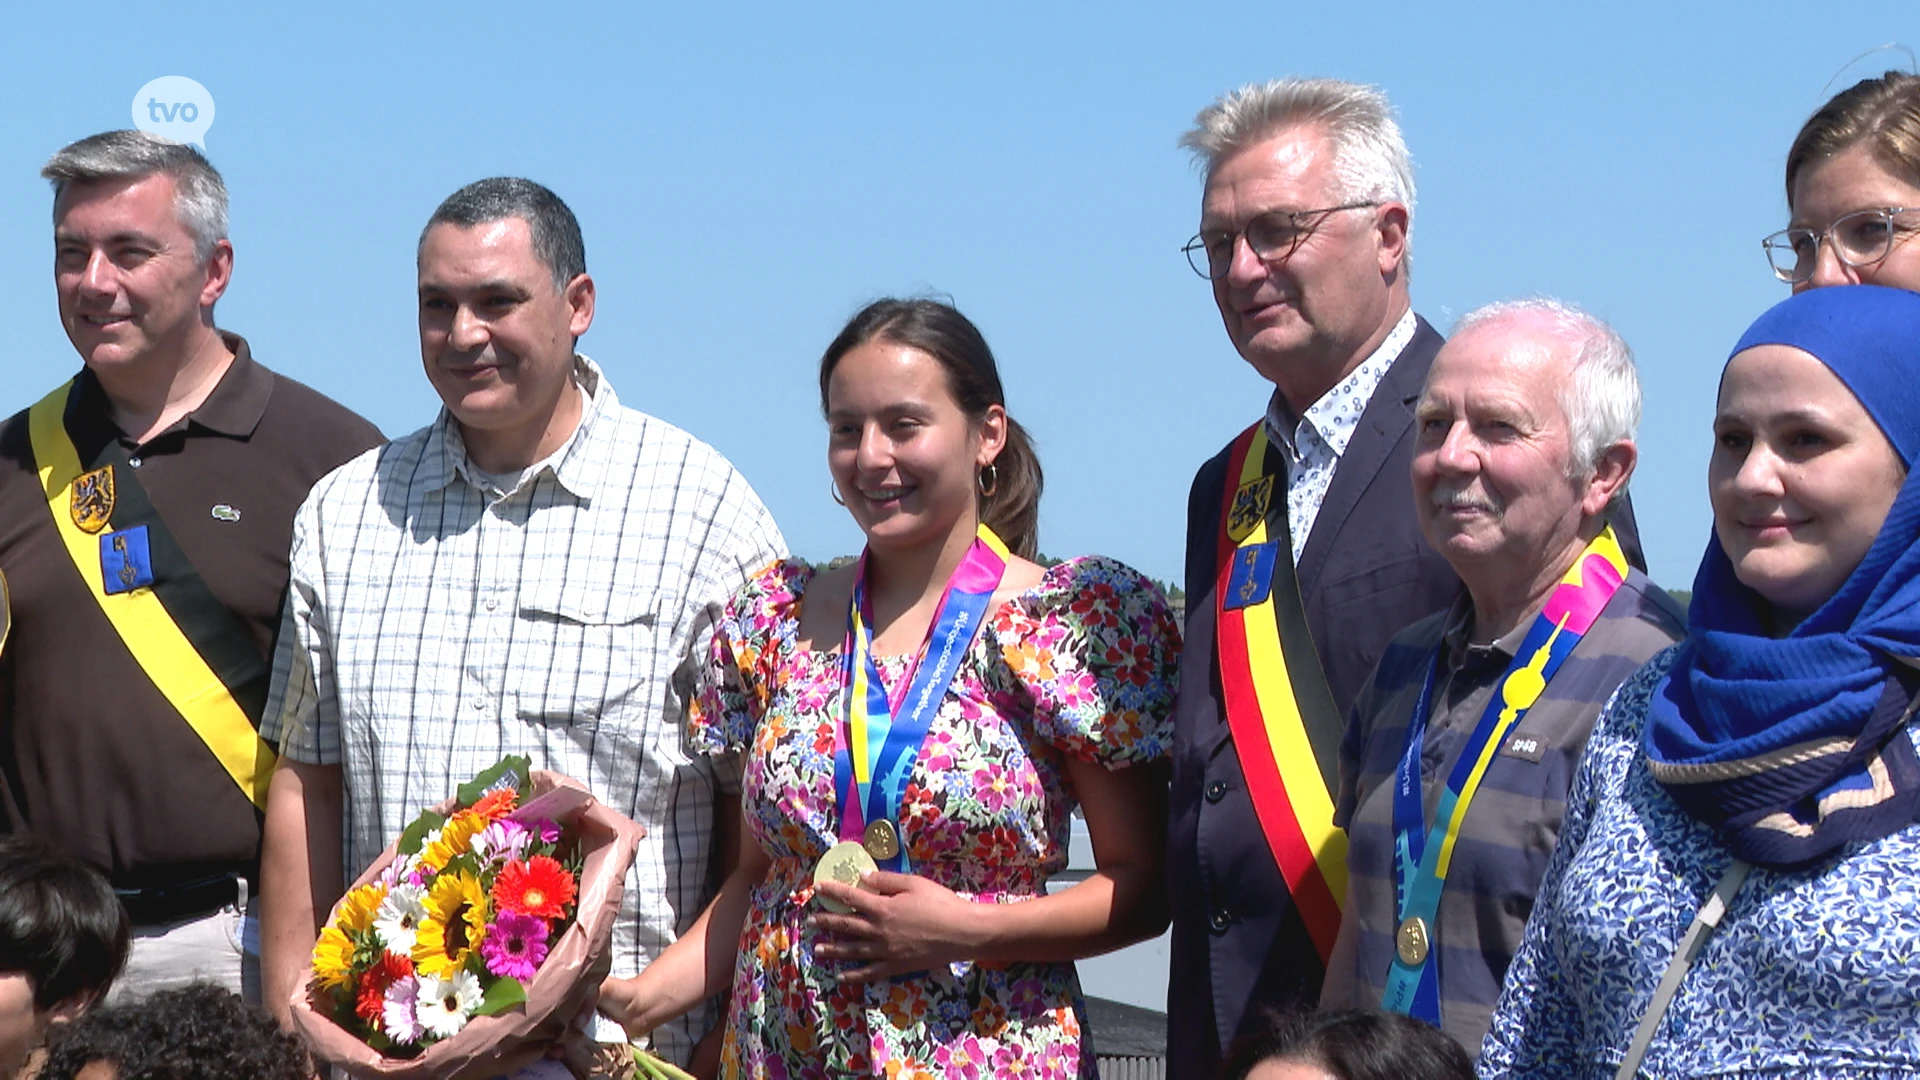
x=1457, y=760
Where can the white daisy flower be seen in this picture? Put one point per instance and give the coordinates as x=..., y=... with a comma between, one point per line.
x=399, y=917
x=445, y=1004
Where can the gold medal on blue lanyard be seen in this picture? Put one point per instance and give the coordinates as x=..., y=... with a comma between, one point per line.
x=1422, y=857
x=883, y=732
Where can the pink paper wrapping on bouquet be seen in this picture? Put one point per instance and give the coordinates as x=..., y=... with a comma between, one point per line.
x=577, y=960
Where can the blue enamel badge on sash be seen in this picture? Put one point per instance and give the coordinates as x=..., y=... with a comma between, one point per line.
x=1251, y=579
x=125, y=563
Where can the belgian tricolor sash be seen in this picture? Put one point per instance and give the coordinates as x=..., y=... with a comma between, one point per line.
x=197, y=654
x=1285, y=725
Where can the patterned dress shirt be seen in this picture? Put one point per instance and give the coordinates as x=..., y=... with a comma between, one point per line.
x=1315, y=442
x=435, y=624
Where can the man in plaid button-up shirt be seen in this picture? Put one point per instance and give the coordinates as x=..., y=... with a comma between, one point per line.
x=538, y=573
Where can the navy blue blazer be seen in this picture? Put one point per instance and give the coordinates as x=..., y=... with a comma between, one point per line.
x=1365, y=574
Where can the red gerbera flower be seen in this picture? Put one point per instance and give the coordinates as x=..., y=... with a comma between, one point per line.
x=372, y=990
x=540, y=887
x=495, y=805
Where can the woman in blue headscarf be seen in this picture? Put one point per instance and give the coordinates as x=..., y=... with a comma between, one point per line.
x=1762, y=774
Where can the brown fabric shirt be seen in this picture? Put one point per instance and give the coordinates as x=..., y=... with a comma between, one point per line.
x=92, y=757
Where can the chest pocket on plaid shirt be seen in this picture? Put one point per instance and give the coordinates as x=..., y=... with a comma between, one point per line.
x=599, y=666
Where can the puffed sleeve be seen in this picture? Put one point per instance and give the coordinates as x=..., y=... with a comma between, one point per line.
x=1097, y=651
x=756, y=628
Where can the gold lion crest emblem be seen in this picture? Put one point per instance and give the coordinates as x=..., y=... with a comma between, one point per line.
x=92, y=500
x=1249, y=508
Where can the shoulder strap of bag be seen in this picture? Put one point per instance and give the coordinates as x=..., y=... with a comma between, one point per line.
x=1704, y=924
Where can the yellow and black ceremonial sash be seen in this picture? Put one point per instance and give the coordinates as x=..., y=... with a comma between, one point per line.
x=195, y=651
x=1285, y=725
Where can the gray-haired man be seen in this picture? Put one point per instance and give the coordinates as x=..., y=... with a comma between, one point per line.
x=147, y=573
x=1523, y=439
x=537, y=572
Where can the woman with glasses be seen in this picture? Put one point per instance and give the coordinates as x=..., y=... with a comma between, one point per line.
x=1853, y=189
x=1733, y=893
x=914, y=730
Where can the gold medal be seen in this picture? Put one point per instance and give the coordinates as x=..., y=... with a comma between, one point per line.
x=882, y=840
x=1412, y=941
x=843, y=864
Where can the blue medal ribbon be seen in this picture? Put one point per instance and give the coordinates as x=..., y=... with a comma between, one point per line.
x=884, y=732
x=1422, y=857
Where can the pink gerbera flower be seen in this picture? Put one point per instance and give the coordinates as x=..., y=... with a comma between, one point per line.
x=515, y=945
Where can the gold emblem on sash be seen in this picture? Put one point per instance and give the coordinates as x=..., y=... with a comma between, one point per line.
x=6, y=613
x=1412, y=941
x=91, y=503
x=1250, y=503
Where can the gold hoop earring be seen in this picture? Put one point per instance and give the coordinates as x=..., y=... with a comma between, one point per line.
x=833, y=490
x=989, y=480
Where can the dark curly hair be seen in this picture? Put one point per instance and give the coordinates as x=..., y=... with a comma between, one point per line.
x=199, y=1032
x=1352, y=1045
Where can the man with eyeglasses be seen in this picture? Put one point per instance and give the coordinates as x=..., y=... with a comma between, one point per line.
x=1304, y=555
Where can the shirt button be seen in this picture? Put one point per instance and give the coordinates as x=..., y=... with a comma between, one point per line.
x=478, y=704
x=1216, y=791
x=1220, y=920
x=134, y=461
x=492, y=603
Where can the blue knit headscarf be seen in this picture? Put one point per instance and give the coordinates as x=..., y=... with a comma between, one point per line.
x=1795, y=746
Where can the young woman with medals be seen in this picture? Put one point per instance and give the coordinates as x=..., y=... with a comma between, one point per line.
x=1733, y=892
x=914, y=732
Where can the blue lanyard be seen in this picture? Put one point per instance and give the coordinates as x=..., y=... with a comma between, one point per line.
x=1422, y=858
x=883, y=733
x=1413, y=986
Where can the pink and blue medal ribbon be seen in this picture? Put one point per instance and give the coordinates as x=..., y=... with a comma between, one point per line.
x=884, y=731
x=1422, y=857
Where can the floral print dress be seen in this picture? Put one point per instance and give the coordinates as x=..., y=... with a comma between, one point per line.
x=1082, y=665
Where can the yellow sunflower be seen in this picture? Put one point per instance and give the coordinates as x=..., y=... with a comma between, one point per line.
x=357, y=908
x=456, y=838
x=333, y=959
x=456, y=920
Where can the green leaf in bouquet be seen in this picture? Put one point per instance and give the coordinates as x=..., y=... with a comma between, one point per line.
x=655, y=1068
x=465, y=861
x=504, y=994
x=415, y=837
x=511, y=771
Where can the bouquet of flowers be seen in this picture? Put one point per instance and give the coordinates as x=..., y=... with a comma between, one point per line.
x=477, y=937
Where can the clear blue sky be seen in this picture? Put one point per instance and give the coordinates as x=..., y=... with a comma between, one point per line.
x=748, y=175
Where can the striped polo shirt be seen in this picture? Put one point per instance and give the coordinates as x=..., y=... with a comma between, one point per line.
x=1514, y=820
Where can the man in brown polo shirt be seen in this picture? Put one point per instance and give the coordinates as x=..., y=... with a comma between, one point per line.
x=146, y=574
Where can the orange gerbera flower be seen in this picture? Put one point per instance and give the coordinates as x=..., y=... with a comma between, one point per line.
x=495, y=805
x=370, y=1003
x=540, y=887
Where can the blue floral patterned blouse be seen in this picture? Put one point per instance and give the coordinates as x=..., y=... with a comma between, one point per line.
x=1813, y=974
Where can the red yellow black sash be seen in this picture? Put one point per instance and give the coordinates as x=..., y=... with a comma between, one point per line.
x=1285, y=725
x=196, y=653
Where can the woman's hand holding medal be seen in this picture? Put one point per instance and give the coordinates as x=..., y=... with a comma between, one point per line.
x=894, y=924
